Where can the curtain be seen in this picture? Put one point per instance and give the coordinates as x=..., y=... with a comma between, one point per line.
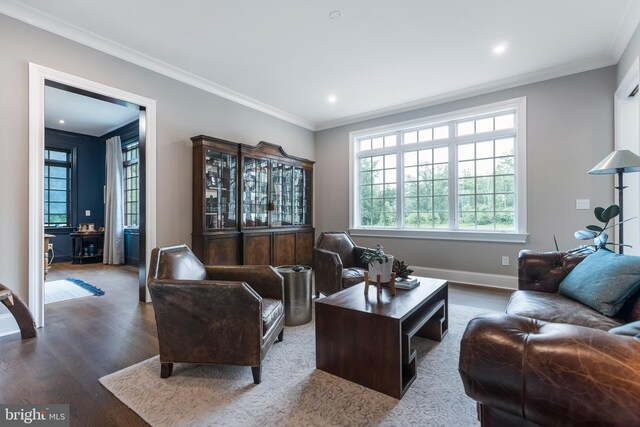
x=114, y=204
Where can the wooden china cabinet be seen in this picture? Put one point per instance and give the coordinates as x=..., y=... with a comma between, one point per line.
x=251, y=205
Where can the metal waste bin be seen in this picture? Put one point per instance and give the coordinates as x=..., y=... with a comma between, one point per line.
x=297, y=294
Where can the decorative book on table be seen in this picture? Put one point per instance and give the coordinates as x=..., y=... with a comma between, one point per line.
x=407, y=283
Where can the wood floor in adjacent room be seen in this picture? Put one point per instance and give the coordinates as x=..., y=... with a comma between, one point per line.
x=87, y=338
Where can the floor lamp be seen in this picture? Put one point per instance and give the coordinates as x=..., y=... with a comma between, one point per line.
x=618, y=162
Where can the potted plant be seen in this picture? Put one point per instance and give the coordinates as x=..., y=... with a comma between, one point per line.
x=379, y=263
x=597, y=232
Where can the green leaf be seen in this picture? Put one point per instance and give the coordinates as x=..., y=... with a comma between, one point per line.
x=585, y=234
x=611, y=212
x=598, y=213
x=595, y=228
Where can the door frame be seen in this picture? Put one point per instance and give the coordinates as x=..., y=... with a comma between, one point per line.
x=37, y=76
x=622, y=103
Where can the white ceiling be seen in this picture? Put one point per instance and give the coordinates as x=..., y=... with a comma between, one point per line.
x=286, y=57
x=82, y=114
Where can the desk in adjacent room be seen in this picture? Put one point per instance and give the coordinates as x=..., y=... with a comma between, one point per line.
x=78, y=254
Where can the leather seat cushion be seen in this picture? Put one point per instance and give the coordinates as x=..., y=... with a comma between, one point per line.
x=558, y=309
x=352, y=276
x=272, y=310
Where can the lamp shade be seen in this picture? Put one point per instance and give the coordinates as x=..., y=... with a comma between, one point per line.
x=617, y=161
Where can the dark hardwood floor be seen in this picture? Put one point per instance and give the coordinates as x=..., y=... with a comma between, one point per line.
x=83, y=340
x=87, y=338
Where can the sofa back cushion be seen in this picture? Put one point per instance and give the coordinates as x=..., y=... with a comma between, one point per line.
x=603, y=281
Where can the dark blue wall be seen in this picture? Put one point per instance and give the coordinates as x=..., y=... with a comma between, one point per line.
x=87, y=185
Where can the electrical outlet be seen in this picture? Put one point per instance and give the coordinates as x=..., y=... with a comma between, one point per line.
x=505, y=260
x=50, y=246
x=87, y=213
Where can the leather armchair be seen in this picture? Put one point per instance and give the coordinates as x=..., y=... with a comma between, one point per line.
x=550, y=361
x=336, y=262
x=214, y=314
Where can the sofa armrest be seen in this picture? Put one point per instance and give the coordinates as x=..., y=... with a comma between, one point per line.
x=544, y=271
x=263, y=279
x=551, y=373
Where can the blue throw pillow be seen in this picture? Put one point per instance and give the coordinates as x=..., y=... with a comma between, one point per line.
x=603, y=281
x=630, y=329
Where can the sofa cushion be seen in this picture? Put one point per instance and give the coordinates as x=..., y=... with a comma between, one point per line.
x=558, y=309
x=272, y=310
x=603, y=281
x=630, y=329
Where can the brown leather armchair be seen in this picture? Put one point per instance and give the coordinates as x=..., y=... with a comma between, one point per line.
x=550, y=360
x=214, y=314
x=336, y=262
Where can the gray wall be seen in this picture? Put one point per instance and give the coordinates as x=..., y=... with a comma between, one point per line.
x=183, y=111
x=569, y=130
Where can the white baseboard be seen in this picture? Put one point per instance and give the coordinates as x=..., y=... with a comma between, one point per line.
x=480, y=279
x=8, y=325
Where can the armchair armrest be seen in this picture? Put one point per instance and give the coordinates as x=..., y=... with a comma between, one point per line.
x=328, y=268
x=551, y=373
x=203, y=321
x=357, y=255
x=544, y=271
x=263, y=279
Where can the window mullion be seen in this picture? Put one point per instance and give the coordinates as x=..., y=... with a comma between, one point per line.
x=453, y=179
x=400, y=181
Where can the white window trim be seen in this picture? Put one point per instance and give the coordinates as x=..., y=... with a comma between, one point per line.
x=518, y=236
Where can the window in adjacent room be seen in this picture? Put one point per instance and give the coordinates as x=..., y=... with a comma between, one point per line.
x=458, y=176
x=130, y=156
x=57, y=187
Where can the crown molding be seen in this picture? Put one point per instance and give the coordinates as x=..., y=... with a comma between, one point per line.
x=482, y=89
x=64, y=29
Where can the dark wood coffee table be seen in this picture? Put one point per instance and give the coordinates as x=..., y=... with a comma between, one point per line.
x=368, y=341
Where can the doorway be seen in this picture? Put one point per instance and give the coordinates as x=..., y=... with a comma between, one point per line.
x=39, y=77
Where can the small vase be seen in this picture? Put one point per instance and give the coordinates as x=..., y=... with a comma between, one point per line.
x=383, y=269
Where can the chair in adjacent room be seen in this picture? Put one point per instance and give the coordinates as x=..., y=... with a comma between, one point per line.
x=227, y=315
x=336, y=262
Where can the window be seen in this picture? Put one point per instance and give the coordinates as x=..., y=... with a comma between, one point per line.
x=130, y=157
x=460, y=176
x=57, y=188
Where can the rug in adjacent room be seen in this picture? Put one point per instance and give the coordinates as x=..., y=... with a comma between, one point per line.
x=294, y=393
x=69, y=288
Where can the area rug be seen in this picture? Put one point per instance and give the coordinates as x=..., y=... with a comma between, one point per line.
x=69, y=288
x=294, y=393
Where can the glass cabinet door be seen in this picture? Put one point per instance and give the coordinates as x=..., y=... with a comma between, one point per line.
x=220, y=190
x=302, y=187
x=255, y=175
x=281, y=194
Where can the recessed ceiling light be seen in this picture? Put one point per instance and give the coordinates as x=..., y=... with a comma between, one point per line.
x=500, y=48
x=336, y=15
x=332, y=99
x=61, y=121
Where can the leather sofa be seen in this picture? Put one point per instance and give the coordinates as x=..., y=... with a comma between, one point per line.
x=214, y=314
x=549, y=360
